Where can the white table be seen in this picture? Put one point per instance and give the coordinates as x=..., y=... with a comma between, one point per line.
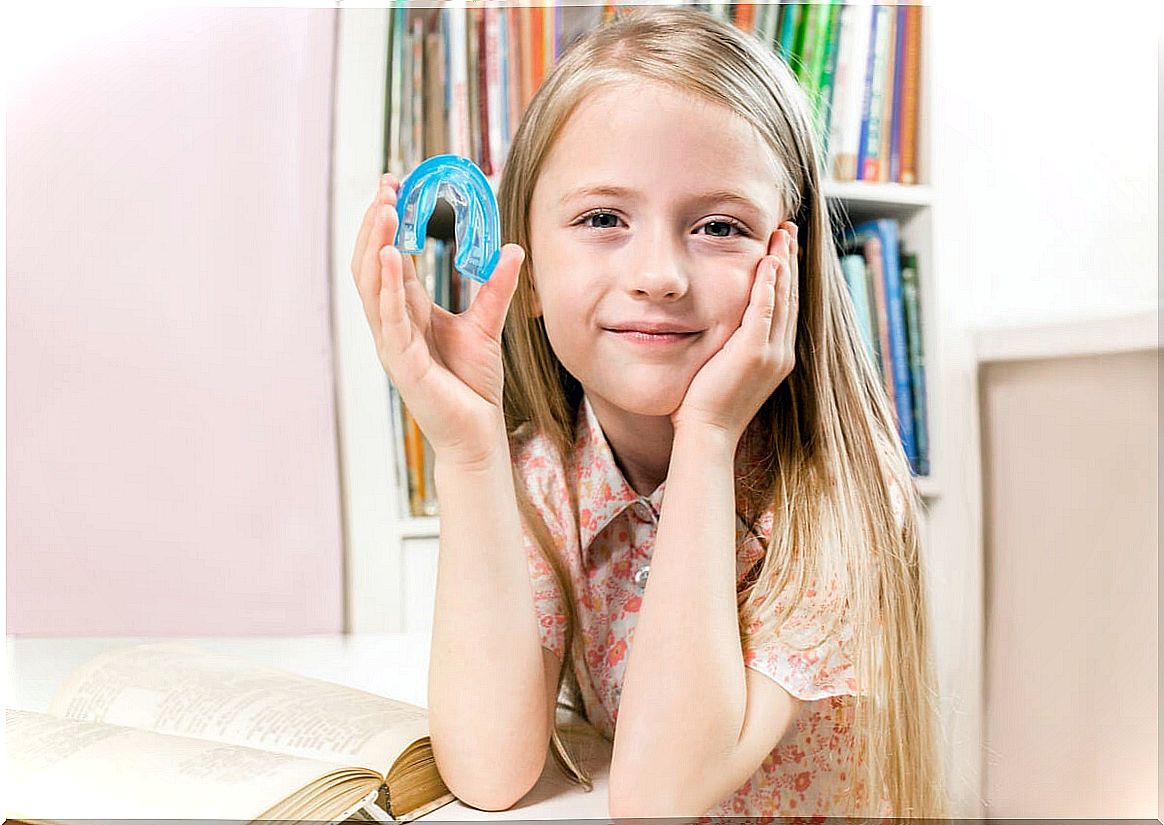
x=393, y=665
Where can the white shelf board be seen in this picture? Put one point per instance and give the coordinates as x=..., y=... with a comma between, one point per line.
x=887, y=194
x=1088, y=336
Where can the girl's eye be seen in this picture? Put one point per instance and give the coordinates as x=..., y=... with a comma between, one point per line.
x=598, y=213
x=723, y=228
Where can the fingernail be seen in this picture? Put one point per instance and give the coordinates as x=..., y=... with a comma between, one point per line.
x=795, y=230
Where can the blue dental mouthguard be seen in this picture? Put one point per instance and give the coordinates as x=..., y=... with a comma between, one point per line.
x=478, y=225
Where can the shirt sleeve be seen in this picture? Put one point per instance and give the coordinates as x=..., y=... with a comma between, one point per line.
x=549, y=606
x=808, y=656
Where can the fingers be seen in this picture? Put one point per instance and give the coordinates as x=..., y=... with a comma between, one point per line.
x=388, y=186
x=793, y=314
x=492, y=303
x=395, y=327
x=760, y=315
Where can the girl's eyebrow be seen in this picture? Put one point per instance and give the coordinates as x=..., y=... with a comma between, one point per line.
x=720, y=196
x=604, y=191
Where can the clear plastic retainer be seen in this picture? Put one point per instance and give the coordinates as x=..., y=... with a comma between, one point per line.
x=478, y=224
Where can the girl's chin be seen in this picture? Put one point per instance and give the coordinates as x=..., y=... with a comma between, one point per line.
x=640, y=399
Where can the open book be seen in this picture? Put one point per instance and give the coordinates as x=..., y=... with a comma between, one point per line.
x=170, y=731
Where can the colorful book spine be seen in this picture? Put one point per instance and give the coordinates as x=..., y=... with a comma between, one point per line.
x=856, y=34
x=494, y=86
x=537, y=40
x=416, y=111
x=485, y=155
x=899, y=71
x=871, y=249
x=400, y=440
x=885, y=231
x=825, y=84
x=769, y=25
x=549, y=38
x=434, y=92
x=910, y=94
x=912, y=303
x=460, y=139
x=853, y=267
x=871, y=125
x=398, y=15
x=789, y=26
x=890, y=82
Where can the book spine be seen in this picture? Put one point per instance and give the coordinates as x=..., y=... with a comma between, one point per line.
x=745, y=17
x=886, y=126
x=434, y=124
x=807, y=46
x=482, y=61
x=460, y=142
x=911, y=93
x=414, y=446
x=856, y=34
x=853, y=267
x=875, y=265
x=899, y=70
x=826, y=83
x=549, y=38
x=789, y=24
x=895, y=316
x=912, y=303
x=867, y=167
x=400, y=439
x=418, y=111
x=514, y=70
x=493, y=85
x=537, y=40
x=406, y=103
x=395, y=146
x=771, y=27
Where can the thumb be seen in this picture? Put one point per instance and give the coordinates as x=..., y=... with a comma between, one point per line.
x=494, y=297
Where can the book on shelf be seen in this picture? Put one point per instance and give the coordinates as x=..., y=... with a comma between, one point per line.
x=170, y=731
x=859, y=67
x=883, y=286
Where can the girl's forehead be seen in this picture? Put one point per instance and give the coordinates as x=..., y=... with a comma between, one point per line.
x=655, y=139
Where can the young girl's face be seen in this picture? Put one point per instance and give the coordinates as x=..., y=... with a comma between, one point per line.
x=653, y=207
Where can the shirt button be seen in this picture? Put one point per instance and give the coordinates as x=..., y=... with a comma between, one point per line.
x=643, y=511
x=641, y=575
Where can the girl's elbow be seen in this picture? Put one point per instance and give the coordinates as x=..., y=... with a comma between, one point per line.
x=494, y=784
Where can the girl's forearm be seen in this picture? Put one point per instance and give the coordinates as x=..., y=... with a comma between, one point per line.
x=684, y=695
x=487, y=700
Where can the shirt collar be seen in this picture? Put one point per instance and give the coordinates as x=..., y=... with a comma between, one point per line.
x=603, y=491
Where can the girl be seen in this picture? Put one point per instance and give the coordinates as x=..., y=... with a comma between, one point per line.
x=668, y=315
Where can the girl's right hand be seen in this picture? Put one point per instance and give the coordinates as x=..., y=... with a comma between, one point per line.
x=447, y=367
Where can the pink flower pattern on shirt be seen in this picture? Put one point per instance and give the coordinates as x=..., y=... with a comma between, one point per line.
x=608, y=532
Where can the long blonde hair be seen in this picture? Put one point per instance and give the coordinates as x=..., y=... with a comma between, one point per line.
x=824, y=449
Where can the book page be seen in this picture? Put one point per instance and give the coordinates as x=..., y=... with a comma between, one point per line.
x=182, y=689
x=64, y=769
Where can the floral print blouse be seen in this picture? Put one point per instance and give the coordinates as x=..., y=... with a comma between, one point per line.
x=608, y=541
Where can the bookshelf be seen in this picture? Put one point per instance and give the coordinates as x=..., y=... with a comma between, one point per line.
x=390, y=563
x=391, y=553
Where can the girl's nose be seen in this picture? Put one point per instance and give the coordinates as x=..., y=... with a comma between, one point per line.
x=658, y=269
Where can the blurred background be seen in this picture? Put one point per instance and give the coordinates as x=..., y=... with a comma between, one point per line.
x=200, y=440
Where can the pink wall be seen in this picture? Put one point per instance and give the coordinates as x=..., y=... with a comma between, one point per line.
x=170, y=424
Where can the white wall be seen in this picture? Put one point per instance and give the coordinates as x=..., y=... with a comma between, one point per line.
x=1045, y=172
x=1049, y=158
x=171, y=438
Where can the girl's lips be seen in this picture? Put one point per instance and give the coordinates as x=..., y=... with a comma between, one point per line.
x=652, y=338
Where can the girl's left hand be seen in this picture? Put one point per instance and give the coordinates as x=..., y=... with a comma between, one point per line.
x=729, y=389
